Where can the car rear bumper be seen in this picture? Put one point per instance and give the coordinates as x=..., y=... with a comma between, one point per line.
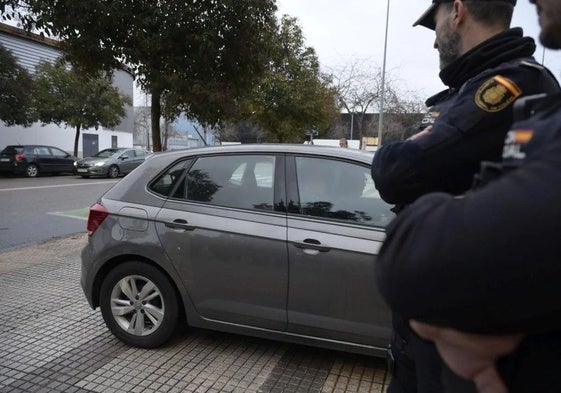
x=14, y=167
x=86, y=276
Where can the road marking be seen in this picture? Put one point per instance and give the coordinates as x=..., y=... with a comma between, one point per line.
x=81, y=214
x=57, y=186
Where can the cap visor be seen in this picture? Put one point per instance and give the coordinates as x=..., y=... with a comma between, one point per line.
x=427, y=19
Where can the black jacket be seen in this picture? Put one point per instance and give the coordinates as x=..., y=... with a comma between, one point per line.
x=490, y=262
x=469, y=120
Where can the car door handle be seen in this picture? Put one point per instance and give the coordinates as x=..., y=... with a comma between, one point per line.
x=312, y=244
x=180, y=224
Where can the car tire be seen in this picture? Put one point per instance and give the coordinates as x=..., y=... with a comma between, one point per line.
x=85, y=176
x=122, y=302
x=31, y=170
x=113, y=171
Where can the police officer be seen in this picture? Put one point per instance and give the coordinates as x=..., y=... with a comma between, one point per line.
x=487, y=67
x=483, y=271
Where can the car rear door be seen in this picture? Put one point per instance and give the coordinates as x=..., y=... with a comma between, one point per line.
x=127, y=161
x=226, y=234
x=139, y=157
x=335, y=229
x=44, y=158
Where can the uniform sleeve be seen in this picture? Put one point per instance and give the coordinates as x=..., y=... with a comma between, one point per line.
x=470, y=130
x=487, y=263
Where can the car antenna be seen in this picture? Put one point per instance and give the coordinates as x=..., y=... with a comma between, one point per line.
x=200, y=136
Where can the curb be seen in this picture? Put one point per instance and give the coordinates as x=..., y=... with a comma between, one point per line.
x=30, y=255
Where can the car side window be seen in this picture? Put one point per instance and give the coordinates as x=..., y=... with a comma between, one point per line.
x=140, y=153
x=239, y=181
x=41, y=151
x=164, y=184
x=58, y=153
x=340, y=190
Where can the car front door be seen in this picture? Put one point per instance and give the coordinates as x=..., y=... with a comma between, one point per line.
x=62, y=161
x=228, y=240
x=335, y=229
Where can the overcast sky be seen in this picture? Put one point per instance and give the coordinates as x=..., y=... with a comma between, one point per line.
x=341, y=31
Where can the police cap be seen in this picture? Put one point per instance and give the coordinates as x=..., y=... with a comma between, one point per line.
x=427, y=19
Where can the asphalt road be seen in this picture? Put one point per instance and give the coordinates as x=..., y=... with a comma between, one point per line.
x=33, y=210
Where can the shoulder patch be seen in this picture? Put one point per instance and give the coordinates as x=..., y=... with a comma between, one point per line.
x=496, y=94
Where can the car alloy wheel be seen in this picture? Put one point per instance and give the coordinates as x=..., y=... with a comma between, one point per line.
x=32, y=170
x=139, y=305
x=113, y=171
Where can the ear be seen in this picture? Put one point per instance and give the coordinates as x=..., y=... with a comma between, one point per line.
x=459, y=13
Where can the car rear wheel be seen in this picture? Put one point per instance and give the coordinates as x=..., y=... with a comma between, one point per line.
x=113, y=171
x=31, y=170
x=139, y=305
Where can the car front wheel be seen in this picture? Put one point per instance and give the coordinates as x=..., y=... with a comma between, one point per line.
x=113, y=171
x=31, y=170
x=139, y=305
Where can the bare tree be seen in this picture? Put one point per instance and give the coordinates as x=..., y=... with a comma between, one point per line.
x=142, y=126
x=168, y=131
x=402, y=116
x=359, y=90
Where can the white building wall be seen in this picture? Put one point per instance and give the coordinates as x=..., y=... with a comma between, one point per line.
x=61, y=137
x=29, y=54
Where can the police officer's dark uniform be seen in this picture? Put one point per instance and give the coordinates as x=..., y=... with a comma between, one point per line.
x=470, y=120
x=492, y=259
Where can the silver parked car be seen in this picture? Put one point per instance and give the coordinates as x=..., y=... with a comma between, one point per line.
x=111, y=162
x=275, y=241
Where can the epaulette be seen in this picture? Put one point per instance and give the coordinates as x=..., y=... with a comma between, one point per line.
x=435, y=99
x=532, y=64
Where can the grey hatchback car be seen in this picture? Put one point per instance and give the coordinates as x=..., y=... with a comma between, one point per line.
x=274, y=241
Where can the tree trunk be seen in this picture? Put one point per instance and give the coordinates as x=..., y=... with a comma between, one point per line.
x=165, y=135
x=156, y=114
x=76, y=139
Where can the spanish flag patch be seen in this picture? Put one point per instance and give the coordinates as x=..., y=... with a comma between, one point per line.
x=496, y=94
x=522, y=137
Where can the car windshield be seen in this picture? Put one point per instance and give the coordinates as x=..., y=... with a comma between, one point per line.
x=109, y=153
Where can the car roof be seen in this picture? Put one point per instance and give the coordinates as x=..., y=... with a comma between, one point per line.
x=28, y=146
x=123, y=148
x=328, y=151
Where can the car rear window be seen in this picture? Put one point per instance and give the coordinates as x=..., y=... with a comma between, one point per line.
x=11, y=150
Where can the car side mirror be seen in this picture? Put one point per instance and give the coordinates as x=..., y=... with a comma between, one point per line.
x=124, y=157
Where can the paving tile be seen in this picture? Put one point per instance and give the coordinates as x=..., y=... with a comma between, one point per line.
x=54, y=342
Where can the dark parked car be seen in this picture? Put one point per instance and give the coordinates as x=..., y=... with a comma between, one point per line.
x=31, y=160
x=111, y=162
x=275, y=241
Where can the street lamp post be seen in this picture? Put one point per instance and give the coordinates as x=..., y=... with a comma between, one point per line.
x=383, y=93
x=352, y=125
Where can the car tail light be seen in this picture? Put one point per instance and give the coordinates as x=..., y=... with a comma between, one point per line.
x=95, y=218
x=19, y=157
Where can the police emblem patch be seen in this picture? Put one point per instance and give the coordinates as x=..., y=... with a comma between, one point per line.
x=496, y=94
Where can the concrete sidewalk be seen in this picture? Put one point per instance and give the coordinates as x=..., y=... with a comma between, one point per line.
x=51, y=341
